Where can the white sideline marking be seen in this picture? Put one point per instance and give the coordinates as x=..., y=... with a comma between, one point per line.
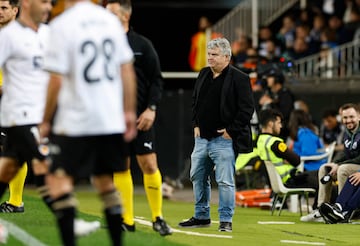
x=301, y=242
x=148, y=223
x=276, y=223
x=20, y=234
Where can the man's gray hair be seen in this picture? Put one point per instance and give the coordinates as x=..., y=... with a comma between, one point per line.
x=221, y=43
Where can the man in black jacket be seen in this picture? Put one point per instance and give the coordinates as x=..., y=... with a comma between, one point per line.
x=149, y=92
x=222, y=107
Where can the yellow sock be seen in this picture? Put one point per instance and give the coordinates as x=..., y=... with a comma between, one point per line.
x=124, y=184
x=16, y=186
x=152, y=185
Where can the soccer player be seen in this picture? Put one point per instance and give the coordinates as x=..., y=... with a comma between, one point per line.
x=21, y=48
x=92, y=87
x=9, y=9
x=22, y=45
x=150, y=86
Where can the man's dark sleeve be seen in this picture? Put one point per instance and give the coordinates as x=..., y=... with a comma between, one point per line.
x=281, y=150
x=354, y=160
x=153, y=74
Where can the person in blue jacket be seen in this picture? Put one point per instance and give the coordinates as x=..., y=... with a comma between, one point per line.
x=306, y=140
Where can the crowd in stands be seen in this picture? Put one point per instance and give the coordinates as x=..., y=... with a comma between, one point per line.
x=304, y=32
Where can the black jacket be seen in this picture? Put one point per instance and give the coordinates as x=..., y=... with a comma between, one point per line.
x=148, y=71
x=236, y=109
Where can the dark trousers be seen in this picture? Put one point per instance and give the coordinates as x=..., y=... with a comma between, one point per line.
x=349, y=197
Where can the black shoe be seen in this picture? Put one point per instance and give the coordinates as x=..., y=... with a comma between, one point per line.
x=126, y=227
x=6, y=207
x=194, y=223
x=225, y=226
x=332, y=214
x=355, y=215
x=160, y=226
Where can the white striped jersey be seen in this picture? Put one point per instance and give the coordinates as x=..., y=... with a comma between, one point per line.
x=24, y=80
x=88, y=46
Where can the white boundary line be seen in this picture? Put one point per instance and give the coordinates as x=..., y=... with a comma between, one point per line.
x=301, y=242
x=20, y=234
x=148, y=223
x=276, y=223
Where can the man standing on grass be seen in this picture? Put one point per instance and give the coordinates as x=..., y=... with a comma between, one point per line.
x=23, y=103
x=22, y=44
x=90, y=110
x=9, y=9
x=222, y=108
x=150, y=86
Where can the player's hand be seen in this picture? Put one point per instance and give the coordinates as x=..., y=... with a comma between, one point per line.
x=130, y=121
x=334, y=168
x=355, y=178
x=196, y=132
x=265, y=99
x=146, y=120
x=224, y=133
x=44, y=129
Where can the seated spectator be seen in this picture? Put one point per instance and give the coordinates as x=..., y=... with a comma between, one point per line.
x=301, y=104
x=303, y=32
x=336, y=24
x=346, y=203
x=353, y=26
x=265, y=34
x=286, y=34
x=332, y=130
x=239, y=48
x=319, y=23
x=271, y=147
x=306, y=142
x=273, y=51
x=300, y=50
x=304, y=17
x=343, y=165
x=328, y=38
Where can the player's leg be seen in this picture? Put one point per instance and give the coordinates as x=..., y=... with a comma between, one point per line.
x=38, y=156
x=112, y=207
x=13, y=142
x=124, y=184
x=153, y=189
x=66, y=162
x=63, y=205
x=8, y=170
x=16, y=188
x=111, y=158
x=152, y=182
x=146, y=157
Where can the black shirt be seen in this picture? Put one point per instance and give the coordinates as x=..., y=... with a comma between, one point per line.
x=148, y=71
x=208, y=116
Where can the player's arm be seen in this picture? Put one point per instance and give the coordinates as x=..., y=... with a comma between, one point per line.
x=51, y=103
x=281, y=150
x=129, y=87
x=152, y=71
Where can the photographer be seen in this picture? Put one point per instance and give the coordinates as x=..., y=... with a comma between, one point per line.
x=277, y=96
x=344, y=164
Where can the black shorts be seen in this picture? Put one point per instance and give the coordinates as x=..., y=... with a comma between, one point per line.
x=82, y=157
x=144, y=143
x=21, y=144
